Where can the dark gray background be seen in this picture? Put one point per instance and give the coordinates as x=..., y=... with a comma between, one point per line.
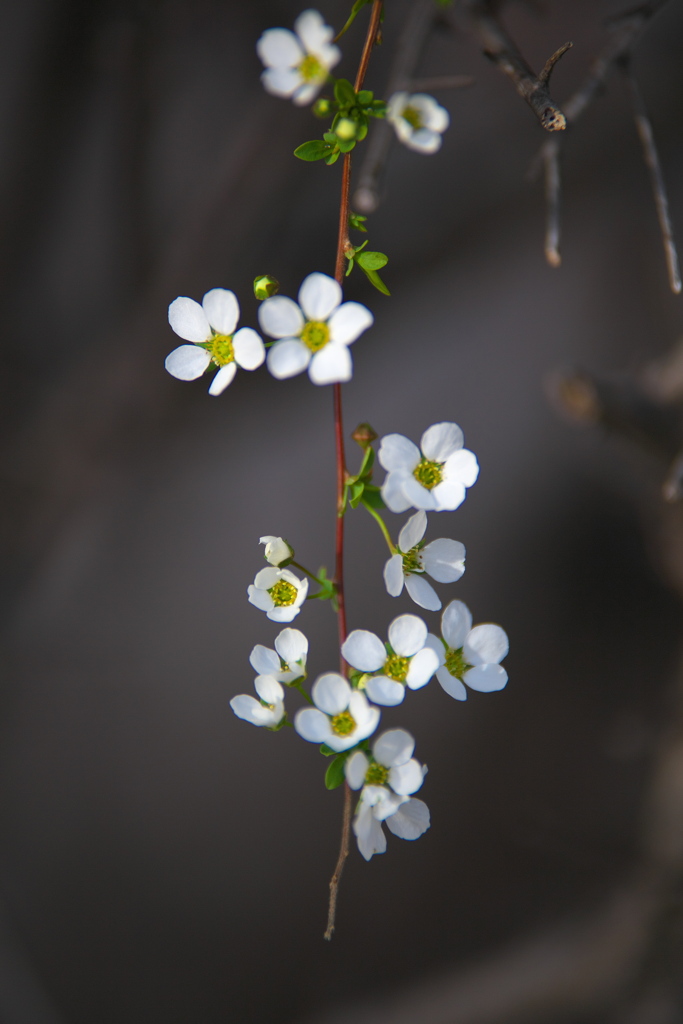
x=162, y=861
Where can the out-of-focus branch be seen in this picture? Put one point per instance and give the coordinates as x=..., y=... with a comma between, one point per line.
x=624, y=36
x=503, y=51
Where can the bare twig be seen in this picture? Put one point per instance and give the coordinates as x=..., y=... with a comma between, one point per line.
x=341, y=860
x=503, y=51
x=653, y=165
x=441, y=82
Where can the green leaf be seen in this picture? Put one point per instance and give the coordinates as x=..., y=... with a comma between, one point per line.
x=334, y=776
x=345, y=145
x=316, y=149
x=374, y=279
x=332, y=158
x=357, y=221
x=365, y=97
x=350, y=266
x=359, y=4
x=344, y=93
x=373, y=260
x=331, y=138
x=361, y=132
x=372, y=497
x=367, y=463
x=356, y=493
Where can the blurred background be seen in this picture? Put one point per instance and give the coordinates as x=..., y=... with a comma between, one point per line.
x=160, y=860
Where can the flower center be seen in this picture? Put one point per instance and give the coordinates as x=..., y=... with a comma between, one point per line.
x=397, y=667
x=315, y=335
x=411, y=562
x=455, y=662
x=429, y=474
x=311, y=69
x=343, y=724
x=413, y=116
x=283, y=593
x=222, y=351
x=376, y=775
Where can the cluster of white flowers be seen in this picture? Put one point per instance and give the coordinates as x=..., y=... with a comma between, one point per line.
x=344, y=713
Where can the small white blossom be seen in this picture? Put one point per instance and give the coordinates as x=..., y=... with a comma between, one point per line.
x=287, y=662
x=341, y=717
x=418, y=120
x=469, y=655
x=442, y=559
x=406, y=661
x=278, y=593
x=315, y=334
x=297, y=65
x=277, y=550
x=211, y=327
x=388, y=782
x=434, y=478
x=269, y=710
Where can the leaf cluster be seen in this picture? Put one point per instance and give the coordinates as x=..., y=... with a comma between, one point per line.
x=349, y=125
x=360, y=488
x=369, y=262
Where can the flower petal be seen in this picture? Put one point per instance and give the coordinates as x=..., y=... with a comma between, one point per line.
x=422, y=668
x=280, y=317
x=407, y=635
x=365, y=716
x=411, y=820
x=385, y=691
x=332, y=365
x=269, y=689
x=282, y=82
x=397, y=452
x=355, y=769
x=462, y=466
x=423, y=593
x=364, y=650
x=448, y=495
x=424, y=140
x=188, y=320
x=306, y=92
x=224, y=377
x=392, y=492
x=249, y=348
x=331, y=693
x=312, y=725
x=441, y=440
x=412, y=531
x=249, y=709
x=348, y=322
x=279, y=48
x=393, y=747
x=456, y=622
x=291, y=645
x=444, y=560
x=261, y=599
x=283, y=613
x=393, y=575
x=406, y=778
x=453, y=687
x=264, y=661
x=268, y=577
x=222, y=310
x=418, y=495
x=187, y=362
x=319, y=295
x=368, y=832
x=486, y=645
x=486, y=678
x=312, y=31
x=287, y=358
x=437, y=646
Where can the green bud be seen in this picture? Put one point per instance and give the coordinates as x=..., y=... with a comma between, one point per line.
x=322, y=107
x=364, y=435
x=345, y=129
x=265, y=286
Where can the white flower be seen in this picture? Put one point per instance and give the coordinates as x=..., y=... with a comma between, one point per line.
x=469, y=655
x=269, y=710
x=433, y=479
x=298, y=65
x=341, y=717
x=314, y=334
x=418, y=120
x=388, y=782
x=443, y=560
x=277, y=550
x=211, y=327
x=278, y=593
x=405, y=661
x=287, y=662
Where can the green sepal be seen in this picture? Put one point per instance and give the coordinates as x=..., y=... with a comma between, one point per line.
x=316, y=149
x=372, y=497
x=327, y=751
x=334, y=776
x=357, y=221
x=373, y=260
x=344, y=93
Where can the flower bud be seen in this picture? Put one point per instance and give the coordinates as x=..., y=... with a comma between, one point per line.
x=364, y=435
x=322, y=107
x=278, y=552
x=346, y=129
x=265, y=286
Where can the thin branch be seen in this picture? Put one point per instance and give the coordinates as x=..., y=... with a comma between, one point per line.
x=553, y=199
x=503, y=51
x=441, y=82
x=654, y=166
x=341, y=860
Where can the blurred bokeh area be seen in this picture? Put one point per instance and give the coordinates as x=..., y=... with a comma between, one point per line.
x=162, y=862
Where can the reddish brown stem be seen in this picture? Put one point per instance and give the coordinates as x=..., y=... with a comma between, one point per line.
x=339, y=267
